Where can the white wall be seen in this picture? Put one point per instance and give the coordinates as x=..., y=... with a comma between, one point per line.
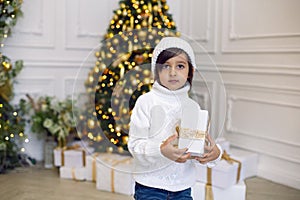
x=255, y=45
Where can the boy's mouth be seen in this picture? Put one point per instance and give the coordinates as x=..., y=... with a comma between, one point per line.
x=173, y=81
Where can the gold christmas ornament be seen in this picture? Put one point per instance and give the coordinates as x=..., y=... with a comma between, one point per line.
x=147, y=72
x=139, y=59
x=138, y=26
x=108, y=55
x=119, y=12
x=144, y=23
x=142, y=35
x=123, y=5
x=91, y=124
x=7, y=66
x=150, y=37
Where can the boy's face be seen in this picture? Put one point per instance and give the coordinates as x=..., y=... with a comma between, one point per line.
x=174, y=72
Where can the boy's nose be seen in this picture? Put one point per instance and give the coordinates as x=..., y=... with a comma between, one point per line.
x=172, y=71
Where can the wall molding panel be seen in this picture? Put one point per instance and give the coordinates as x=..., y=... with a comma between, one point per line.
x=232, y=100
x=264, y=88
x=245, y=68
x=37, y=29
x=201, y=32
x=80, y=34
x=237, y=40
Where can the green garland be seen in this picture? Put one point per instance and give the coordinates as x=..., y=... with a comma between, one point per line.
x=11, y=123
x=10, y=12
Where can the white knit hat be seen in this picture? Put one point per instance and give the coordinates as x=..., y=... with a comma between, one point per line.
x=172, y=42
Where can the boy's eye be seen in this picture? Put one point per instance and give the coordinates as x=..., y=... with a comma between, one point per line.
x=165, y=67
x=180, y=66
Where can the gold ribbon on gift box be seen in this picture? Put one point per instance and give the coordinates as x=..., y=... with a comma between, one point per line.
x=112, y=172
x=74, y=147
x=225, y=156
x=94, y=167
x=188, y=133
x=208, y=186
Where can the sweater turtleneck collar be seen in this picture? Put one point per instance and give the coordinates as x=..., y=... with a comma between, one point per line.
x=162, y=91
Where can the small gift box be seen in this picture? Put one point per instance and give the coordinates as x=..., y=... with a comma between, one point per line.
x=114, y=174
x=77, y=174
x=192, y=129
x=202, y=191
x=72, y=156
x=223, y=175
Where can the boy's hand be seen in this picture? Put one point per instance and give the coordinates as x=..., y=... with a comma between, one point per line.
x=213, y=151
x=173, y=153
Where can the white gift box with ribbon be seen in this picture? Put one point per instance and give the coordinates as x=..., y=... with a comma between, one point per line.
x=193, y=128
x=223, y=175
x=72, y=156
x=114, y=174
x=235, y=192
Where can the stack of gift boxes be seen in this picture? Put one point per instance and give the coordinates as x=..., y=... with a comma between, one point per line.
x=113, y=172
x=226, y=179
x=71, y=161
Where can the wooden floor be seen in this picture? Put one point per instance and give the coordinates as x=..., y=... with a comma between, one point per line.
x=38, y=183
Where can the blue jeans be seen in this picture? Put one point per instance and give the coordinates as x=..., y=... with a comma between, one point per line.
x=148, y=193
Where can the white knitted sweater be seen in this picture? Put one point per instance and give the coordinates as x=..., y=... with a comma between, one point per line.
x=153, y=120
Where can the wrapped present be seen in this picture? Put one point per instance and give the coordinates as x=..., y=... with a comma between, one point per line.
x=223, y=175
x=249, y=162
x=225, y=144
x=201, y=191
x=77, y=174
x=72, y=156
x=193, y=129
x=114, y=174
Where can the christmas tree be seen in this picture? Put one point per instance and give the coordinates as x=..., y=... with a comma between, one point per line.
x=122, y=71
x=11, y=123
